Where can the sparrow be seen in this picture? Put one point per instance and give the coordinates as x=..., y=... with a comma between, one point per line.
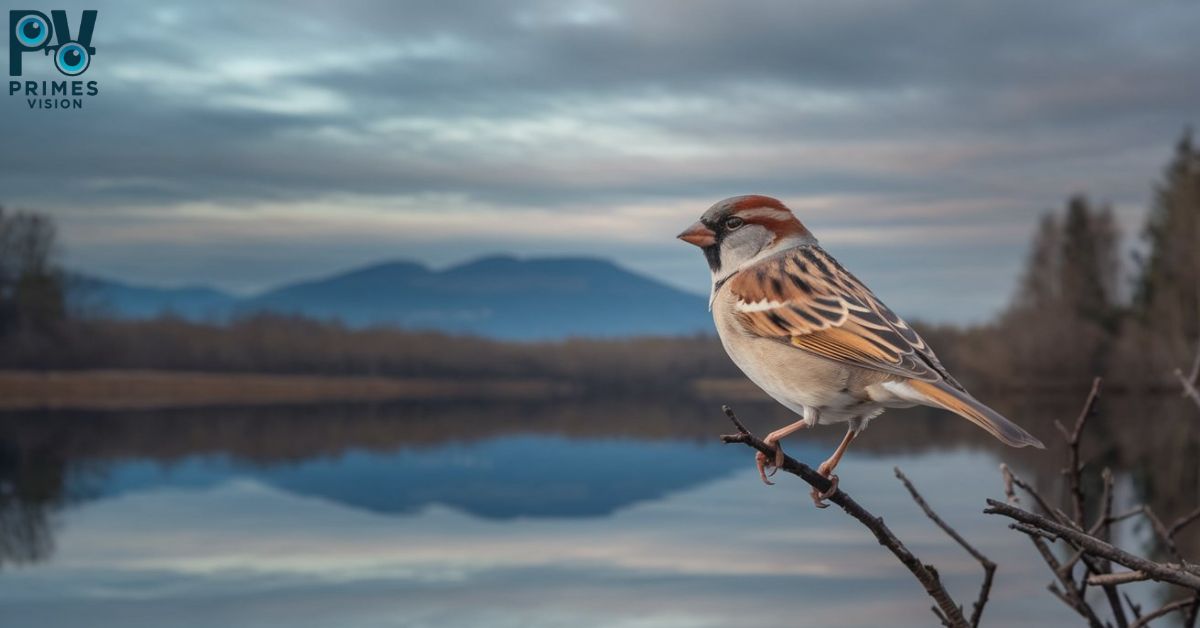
x=814, y=337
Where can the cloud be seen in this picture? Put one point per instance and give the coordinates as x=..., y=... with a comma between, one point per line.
x=557, y=116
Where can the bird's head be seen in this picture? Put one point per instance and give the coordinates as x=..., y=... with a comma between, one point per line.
x=742, y=229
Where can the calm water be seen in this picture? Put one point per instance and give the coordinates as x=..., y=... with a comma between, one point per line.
x=576, y=513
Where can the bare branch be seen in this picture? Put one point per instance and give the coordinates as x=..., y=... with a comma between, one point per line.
x=1175, y=574
x=1188, y=382
x=1191, y=612
x=948, y=611
x=1071, y=594
x=1028, y=529
x=1117, y=578
x=1128, y=514
x=1136, y=608
x=1195, y=372
x=1182, y=523
x=1011, y=479
x=1165, y=610
x=1161, y=530
x=1189, y=389
x=1073, y=437
x=989, y=567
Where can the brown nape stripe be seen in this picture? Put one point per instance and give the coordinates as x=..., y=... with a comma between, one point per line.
x=781, y=226
x=754, y=201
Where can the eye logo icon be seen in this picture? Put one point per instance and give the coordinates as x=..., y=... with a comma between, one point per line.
x=31, y=31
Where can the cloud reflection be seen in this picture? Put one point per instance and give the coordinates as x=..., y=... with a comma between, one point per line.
x=729, y=552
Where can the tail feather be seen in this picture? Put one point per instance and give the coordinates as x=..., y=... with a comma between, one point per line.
x=970, y=408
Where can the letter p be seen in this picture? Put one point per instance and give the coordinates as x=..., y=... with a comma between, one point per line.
x=27, y=31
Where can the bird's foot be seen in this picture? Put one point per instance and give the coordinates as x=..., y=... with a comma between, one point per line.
x=764, y=462
x=819, y=497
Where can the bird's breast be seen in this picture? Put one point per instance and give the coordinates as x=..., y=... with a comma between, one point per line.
x=791, y=376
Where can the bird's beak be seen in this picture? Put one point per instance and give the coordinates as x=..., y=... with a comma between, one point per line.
x=699, y=235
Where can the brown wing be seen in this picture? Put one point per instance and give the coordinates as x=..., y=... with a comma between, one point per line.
x=805, y=298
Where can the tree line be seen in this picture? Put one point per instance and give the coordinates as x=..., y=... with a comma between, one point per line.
x=1081, y=307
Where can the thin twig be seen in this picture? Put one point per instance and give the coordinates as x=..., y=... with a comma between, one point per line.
x=1128, y=514
x=1073, y=438
x=989, y=567
x=1190, y=613
x=1161, y=530
x=1117, y=578
x=1094, y=566
x=1028, y=529
x=1136, y=608
x=1195, y=372
x=1174, y=574
x=1183, y=522
x=1164, y=610
x=1011, y=479
x=948, y=611
x=1071, y=594
x=1188, y=382
x=1189, y=389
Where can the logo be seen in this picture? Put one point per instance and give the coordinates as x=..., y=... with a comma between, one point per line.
x=32, y=32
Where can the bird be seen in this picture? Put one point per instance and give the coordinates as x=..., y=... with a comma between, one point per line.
x=813, y=336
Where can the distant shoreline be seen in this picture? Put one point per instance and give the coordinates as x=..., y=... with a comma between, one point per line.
x=133, y=389
x=136, y=389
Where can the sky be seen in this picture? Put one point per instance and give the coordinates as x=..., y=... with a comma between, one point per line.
x=245, y=144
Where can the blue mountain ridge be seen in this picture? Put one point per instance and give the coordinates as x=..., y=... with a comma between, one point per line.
x=499, y=296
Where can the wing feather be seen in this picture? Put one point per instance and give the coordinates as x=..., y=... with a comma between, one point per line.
x=804, y=298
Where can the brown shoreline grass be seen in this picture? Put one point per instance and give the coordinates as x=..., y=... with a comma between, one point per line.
x=129, y=389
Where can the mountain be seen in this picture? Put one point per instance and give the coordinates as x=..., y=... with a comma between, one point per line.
x=133, y=301
x=500, y=296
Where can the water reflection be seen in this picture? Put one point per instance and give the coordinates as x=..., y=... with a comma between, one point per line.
x=564, y=512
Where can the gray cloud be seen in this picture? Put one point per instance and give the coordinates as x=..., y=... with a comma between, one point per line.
x=883, y=119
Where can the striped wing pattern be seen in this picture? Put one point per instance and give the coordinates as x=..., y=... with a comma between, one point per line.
x=803, y=297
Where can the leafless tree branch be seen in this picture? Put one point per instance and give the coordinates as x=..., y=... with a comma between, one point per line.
x=1175, y=574
x=1071, y=594
x=1188, y=382
x=1118, y=578
x=1183, y=522
x=989, y=567
x=1073, y=438
x=1165, y=610
x=948, y=612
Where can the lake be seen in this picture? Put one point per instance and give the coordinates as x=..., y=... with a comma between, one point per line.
x=557, y=512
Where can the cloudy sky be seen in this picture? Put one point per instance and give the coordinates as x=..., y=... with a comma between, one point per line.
x=244, y=144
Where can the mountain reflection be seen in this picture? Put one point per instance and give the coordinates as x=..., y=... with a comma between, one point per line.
x=513, y=459
x=500, y=478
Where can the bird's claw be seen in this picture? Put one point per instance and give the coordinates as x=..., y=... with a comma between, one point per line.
x=819, y=497
x=760, y=459
x=763, y=463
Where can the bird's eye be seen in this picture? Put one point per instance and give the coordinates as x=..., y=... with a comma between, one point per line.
x=734, y=223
